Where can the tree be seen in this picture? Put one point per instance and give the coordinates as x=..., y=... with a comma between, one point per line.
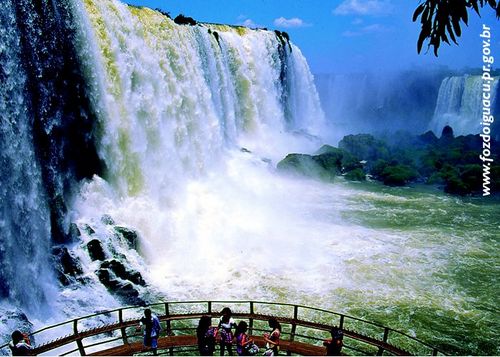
x=441, y=19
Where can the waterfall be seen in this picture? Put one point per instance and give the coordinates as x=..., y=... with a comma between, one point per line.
x=379, y=103
x=46, y=145
x=114, y=109
x=171, y=98
x=459, y=104
x=24, y=224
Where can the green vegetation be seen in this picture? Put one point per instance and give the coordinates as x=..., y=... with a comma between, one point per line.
x=449, y=162
x=185, y=20
x=441, y=19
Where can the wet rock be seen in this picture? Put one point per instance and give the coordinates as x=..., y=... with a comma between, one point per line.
x=67, y=266
x=301, y=164
x=88, y=229
x=124, y=290
x=364, y=147
x=106, y=279
x=447, y=133
x=107, y=219
x=74, y=232
x=122, y=272
x=96, y=252
x=130, y=236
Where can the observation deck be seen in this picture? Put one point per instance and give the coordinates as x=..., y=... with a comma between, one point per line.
x=113, y=332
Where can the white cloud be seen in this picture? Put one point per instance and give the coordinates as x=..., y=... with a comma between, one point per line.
x=289, y=23
x=364, y=7
x=247, y=22
x=367, y=30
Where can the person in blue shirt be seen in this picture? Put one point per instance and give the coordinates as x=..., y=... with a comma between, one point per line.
x=152, y=330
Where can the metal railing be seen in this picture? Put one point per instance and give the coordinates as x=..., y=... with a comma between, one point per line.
x=111, y=328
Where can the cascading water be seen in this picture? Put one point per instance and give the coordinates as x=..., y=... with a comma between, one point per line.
x=46, y=147
x=160, y=145
x=459, y=104
x=379, y=103
x=24, y=248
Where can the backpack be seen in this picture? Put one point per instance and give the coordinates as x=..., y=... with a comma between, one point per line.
x=210, y=339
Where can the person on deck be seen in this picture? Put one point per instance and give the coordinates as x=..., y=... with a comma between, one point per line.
x=206, y=335
x=152, y=330
x=226, y=323
x=334, y=344
x=244, y=345
x=20, y=344
x=273, y=338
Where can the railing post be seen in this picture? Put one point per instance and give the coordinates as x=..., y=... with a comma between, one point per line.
x=250, y=324
x=167, y=315
x=386, y=335
x=78, y=340
x=435, y=352
x=122, y=328
x=341, y=323
x=209, y=308
x=294, y=325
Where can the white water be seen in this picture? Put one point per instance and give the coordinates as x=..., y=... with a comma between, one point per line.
x=24, y=222
x=175, y=107
x=459, y=105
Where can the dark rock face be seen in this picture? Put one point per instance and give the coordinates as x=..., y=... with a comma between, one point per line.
x=302, y=164
x=123, y=290
x=329, y=163
x=121, y=271
x=67, y=266
x=130, y=236
x=120, y=281
x=447, y=133
x=74, y=233
x=107, y=219
x=88, y=229
x=96, y=252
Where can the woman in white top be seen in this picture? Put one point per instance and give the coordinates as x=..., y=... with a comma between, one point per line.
x=226, y=323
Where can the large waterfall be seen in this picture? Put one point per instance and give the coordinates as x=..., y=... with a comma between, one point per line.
x=459, y=104
x=139, y=163
x=109, y=109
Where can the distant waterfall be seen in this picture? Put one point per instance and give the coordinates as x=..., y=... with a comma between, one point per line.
x=379, y=102
x=459, y=104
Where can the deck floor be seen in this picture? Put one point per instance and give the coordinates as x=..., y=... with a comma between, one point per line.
x=165, y=343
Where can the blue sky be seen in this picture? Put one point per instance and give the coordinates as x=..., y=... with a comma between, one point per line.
x=343, y=35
